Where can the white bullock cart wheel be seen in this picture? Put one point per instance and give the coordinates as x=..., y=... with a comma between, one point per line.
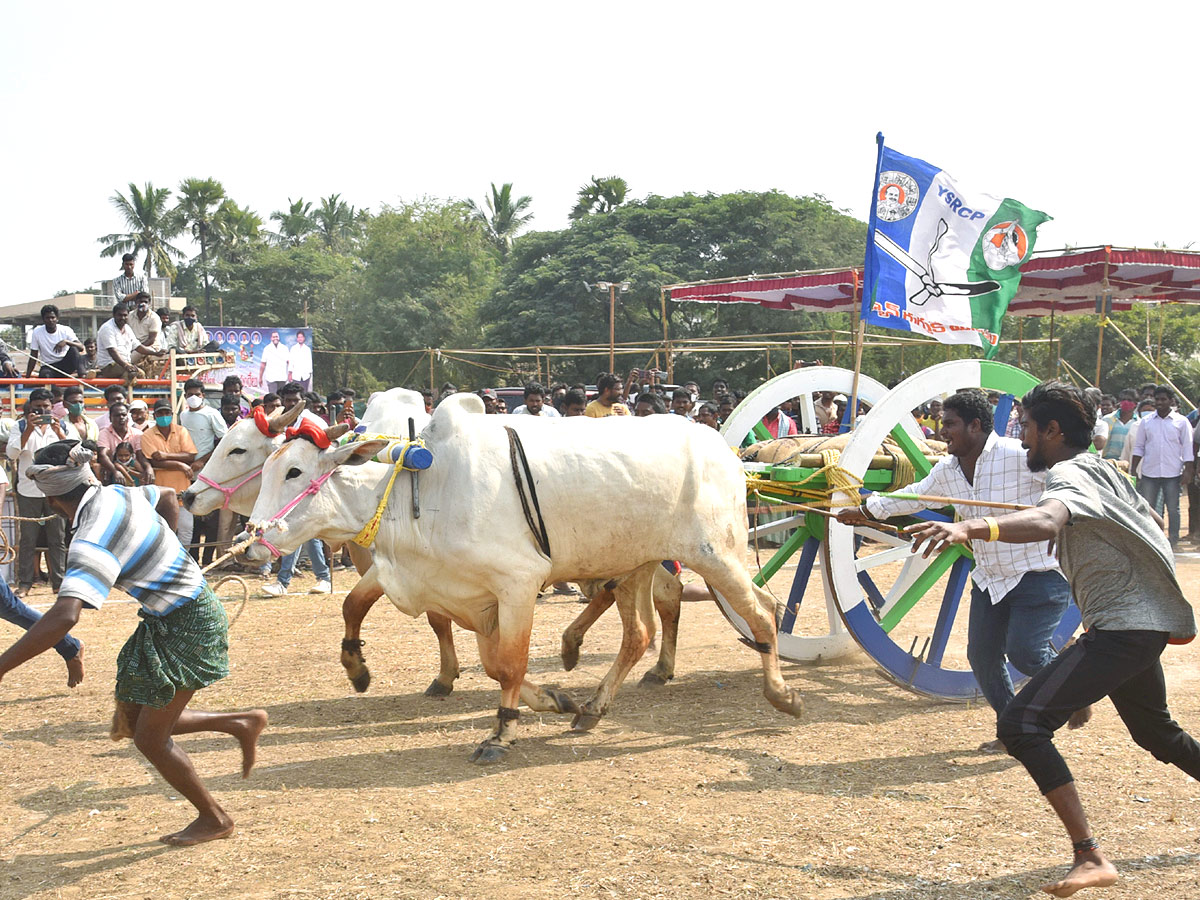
x=885, y=597
x=809, y=530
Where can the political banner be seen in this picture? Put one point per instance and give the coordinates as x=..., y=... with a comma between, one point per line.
x=264, y=358
x=942, y=260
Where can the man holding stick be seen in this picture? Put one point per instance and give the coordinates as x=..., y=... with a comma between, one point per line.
x=1122, y=572
x=124, y=538
x=1018, y=594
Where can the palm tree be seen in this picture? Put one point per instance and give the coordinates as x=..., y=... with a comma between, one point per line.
x=504, y=216
x=151, y=227
x=235, y=229
x=336, y=221
x=294, y=225
x=199, y=199
x=600, y=195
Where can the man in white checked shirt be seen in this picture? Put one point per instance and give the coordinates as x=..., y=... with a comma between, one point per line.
x=1018, y=594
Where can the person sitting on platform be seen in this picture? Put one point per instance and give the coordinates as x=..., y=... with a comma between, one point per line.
x=115, y=343
x=56, y=347
x=188, y=335
x=147, y=328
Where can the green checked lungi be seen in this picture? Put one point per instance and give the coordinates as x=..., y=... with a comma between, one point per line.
x=187, y=649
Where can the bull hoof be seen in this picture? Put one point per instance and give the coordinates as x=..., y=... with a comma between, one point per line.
x=653, y=679
x=791, y=703
x=563, y=702
x=362, y=680
x=585, y=721
x=438, y=690
x=489, y=752
x=570, y=654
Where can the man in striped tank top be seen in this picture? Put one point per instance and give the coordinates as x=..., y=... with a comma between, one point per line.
x=125, y=538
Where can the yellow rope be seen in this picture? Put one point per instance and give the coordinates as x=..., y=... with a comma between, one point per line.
x=366, y=537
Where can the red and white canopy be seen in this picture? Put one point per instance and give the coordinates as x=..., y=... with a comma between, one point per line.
x=1063, y=281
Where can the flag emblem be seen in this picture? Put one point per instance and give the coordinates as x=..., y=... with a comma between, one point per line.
x=1005, y=244
x=898, y=196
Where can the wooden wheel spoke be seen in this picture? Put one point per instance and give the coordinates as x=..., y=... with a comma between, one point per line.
x=951, y=600
x=911, y=451
x=920, y=587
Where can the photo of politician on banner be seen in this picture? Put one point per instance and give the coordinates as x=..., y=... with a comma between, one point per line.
x=942, y=260
x=264, y=358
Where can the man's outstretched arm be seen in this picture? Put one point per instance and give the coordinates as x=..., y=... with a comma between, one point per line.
x=42, y=634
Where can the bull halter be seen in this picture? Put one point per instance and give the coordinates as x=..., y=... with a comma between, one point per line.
x=229, y=491
x=261, y=423
x=366, y=536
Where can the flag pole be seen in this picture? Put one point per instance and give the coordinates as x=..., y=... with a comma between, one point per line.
x=868, y=276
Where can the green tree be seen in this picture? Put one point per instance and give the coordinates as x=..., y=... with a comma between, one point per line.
x=541, y=296
x=600, y=195
x=151, y=225
x=337, y=222
x=294, y=225
x=428, y=267
x=504, y=216
x=235, y=229
x=272, y=285
x=199, y=200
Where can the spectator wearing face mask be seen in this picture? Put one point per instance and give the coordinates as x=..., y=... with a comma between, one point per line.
x=187, y=335
x=1120, y=423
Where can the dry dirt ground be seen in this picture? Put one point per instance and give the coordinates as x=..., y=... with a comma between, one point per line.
x=698, y=789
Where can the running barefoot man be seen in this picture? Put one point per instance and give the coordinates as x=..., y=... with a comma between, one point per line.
x=181, y=642
x=1122, y=574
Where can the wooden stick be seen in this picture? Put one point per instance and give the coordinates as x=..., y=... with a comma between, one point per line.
x=954, y=501
x=828, y=514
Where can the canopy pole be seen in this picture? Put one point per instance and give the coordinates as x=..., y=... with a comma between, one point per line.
x=1162, y=318
x=1020, y=343
x=1051, y=371
x=1100, y=347
x=662, y=305
x=1159, y=372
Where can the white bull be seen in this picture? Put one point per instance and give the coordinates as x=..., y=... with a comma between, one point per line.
x=232, y=477
x=617, y=496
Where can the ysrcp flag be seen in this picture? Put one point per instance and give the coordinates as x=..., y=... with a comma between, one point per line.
x=942, y=259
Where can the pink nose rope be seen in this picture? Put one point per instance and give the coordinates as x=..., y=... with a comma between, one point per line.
x=230, y=491
x=313, y=487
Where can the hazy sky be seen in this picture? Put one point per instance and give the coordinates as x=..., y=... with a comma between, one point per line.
x=1075, y=111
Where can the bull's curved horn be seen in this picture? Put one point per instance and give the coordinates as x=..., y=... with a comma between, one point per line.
x=281, y=420
x=333, y=432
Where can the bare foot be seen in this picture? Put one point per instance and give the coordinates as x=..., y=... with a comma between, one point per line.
x=75, y=668
x=205, y=828
x=1090, y=870
x=996, y=746
x=1079, y=718
x=249, y=727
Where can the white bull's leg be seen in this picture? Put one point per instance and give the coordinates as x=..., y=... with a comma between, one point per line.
x=729, y=577
x=504, y=652
x=600, y=598
x=667, y=593
x=354, y=608
x=444, y=683
x=633, y=597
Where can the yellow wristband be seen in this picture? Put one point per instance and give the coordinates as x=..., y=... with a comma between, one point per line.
x=993, y=528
